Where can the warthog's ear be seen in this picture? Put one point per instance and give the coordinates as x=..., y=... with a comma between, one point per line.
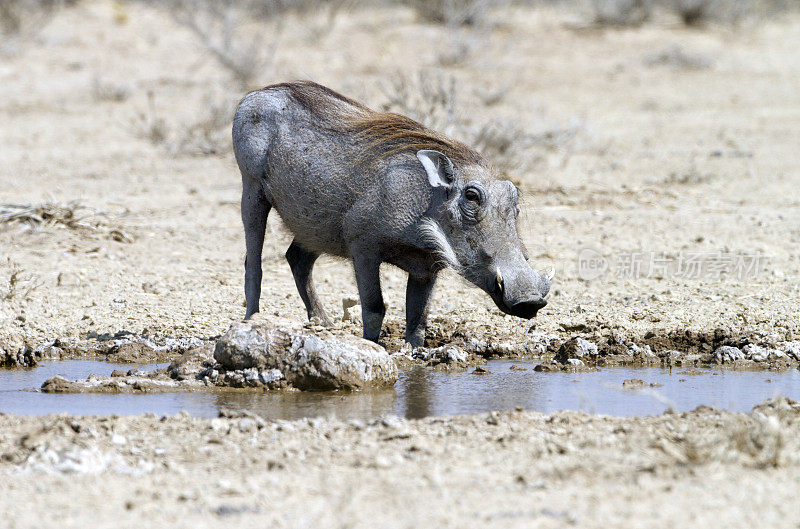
x=439, y=168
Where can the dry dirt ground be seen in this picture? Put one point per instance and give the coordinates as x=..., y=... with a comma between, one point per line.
x=669, y=160
x=660, y=142
x=515, y=469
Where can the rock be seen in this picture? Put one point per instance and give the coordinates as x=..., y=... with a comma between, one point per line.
x=638, y=351
x=270, y=375
x=633, y=383
x=575, y=348
x=305, y=360
x=517, y=367
x=247, y=424
x=446, y=354
x=14, y=352
x=480, y=370
x=59, y=384
x=48, y=351
x=792, y=349
x=192, y=362
x=347, y=304
x=133, y=352
x=727, y=354
x=574, y=362
x=670, y=355
x=760, y=354
x=118, y=373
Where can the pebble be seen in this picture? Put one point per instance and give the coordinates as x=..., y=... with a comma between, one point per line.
x=575, y=348
x=391, y=421
x=792, y=349
x=247, y=424
x=761, y=354
x=727, y=354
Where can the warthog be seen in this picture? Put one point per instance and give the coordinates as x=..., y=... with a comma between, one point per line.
x=375, y=187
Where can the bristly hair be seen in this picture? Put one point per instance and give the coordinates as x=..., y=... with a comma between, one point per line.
x=380, y=133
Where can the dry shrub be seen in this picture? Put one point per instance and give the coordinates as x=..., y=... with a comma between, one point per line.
x=623, y=13
x=208, y=134
x=319, y=16
x=513, y=145
x=24, y=17
x=700, y=12
x=109, y=91
x=225, y=29
x=451, y=12
x=677, y=57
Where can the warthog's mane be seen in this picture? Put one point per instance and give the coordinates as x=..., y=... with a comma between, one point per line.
x=379, y=134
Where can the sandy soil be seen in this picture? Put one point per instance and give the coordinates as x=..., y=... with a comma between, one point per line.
x=668, y=159
x=681, y=143
x=515, y=469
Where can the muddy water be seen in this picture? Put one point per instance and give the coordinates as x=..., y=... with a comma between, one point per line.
x=420, y=393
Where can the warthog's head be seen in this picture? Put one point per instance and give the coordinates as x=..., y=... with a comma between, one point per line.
x=473, y=229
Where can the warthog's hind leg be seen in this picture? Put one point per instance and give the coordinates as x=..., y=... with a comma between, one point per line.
x=302, y=262
x=255, y=209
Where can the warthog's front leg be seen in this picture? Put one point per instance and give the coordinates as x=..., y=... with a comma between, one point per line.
x=418, y=298
x=367, y=268
x=302, y=262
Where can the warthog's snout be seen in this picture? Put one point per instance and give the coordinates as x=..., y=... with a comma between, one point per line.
x=527, y=309
x=521, y=292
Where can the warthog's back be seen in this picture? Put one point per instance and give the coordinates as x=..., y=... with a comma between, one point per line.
x=319, y=155
x=310, y=177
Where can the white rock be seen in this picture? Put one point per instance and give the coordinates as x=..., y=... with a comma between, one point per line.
x=305, y=360
x=792, y=349
x=727, y=354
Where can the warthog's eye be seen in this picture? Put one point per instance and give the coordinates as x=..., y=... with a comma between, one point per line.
x=473, y=194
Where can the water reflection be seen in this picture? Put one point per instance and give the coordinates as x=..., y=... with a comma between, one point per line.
x=291, y=405
x=420, y=393
x=416, y=386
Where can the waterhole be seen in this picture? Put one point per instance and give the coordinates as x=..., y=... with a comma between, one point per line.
x=420, y=393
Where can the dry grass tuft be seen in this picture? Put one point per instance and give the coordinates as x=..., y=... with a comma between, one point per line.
x=149, y=125
x=19, y=285
x=677, y=57
x=72, y=215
